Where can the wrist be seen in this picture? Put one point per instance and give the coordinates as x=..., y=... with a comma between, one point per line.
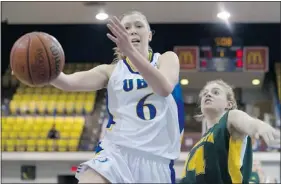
x=131, y=52
x=261, y=125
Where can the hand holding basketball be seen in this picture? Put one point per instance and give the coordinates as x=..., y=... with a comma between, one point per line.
x=37, y=58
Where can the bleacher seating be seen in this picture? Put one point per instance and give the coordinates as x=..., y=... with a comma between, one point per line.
x=8, y=80
x=34, y=110
x=50, y=100
x=30, y=133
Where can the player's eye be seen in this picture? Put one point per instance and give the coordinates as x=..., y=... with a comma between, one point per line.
x=127, y=27
x=216, y=92
x=204, y=93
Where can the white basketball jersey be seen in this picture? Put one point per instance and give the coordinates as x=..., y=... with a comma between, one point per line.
x=141, y=119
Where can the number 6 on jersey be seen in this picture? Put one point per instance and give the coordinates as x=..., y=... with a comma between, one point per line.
x=143, y=107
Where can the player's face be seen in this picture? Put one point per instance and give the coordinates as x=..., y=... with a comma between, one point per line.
x=138, y=29
x=213, y=97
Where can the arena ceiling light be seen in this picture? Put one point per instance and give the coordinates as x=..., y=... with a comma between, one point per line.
x=224, y=15
x=101, y=16
x=184, y=82
x=256, y=82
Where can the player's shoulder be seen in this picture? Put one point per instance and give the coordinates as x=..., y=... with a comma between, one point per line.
x=168, y=57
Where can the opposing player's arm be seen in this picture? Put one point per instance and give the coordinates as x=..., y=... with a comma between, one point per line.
x=243, y=124
x=91, y=80
x=162, y=81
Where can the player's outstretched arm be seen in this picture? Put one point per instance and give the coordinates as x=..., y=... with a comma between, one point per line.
x=91, y=80
x=247, y=125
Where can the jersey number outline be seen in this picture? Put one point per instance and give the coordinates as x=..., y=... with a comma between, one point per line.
x=196, y=162
x=140, y=108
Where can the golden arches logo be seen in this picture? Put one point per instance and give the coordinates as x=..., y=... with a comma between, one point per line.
x=254, y=58
x=186, y=58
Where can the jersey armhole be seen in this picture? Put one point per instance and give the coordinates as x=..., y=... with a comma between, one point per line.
x=113, y=73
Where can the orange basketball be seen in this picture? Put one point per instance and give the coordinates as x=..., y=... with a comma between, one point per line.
x=37, y=58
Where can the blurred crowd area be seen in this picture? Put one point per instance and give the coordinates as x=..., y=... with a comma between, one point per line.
x=48, y=119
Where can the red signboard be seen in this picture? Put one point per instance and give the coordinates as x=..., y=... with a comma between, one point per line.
x=256, y=59
x=188, y=57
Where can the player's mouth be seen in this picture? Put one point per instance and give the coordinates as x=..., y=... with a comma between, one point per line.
x=135, y=41
x=208, y=100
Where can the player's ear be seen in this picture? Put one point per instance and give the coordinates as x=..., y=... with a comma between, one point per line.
x=229, y=105
x=150, y=36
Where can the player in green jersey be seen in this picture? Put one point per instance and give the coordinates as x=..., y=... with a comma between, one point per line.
x=224, y=153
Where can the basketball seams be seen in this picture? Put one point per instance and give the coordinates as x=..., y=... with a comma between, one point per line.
x=49, y=61
x=56, y=43
x=27, y=59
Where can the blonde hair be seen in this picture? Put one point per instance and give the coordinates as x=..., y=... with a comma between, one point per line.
x=117, y=54
x=229, y=95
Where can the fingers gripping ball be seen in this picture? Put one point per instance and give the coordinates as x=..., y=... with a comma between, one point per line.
x=37, y=58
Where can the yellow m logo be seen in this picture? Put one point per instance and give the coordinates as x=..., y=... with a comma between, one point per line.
x=254, y=58
x=186, y=58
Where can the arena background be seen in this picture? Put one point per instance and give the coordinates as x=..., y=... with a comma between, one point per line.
x=252, y=33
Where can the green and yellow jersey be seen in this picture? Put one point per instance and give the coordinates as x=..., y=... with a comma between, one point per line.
x=218, y=158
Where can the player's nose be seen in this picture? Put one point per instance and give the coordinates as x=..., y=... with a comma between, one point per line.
x=132, y=31
x=208, y=95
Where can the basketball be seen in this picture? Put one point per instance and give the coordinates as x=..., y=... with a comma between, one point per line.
x=37, y=58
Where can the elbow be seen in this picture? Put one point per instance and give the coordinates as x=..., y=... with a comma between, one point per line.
x=166, y=91
x=167, y=87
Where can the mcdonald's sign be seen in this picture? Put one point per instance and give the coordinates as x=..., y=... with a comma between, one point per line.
x=188, y=57
x=256, y=59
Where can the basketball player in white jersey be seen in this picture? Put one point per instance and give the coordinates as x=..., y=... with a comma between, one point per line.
x=144, y=104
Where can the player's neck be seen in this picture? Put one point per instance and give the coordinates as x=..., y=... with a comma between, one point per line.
x=213, y=118
x=146, y=54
